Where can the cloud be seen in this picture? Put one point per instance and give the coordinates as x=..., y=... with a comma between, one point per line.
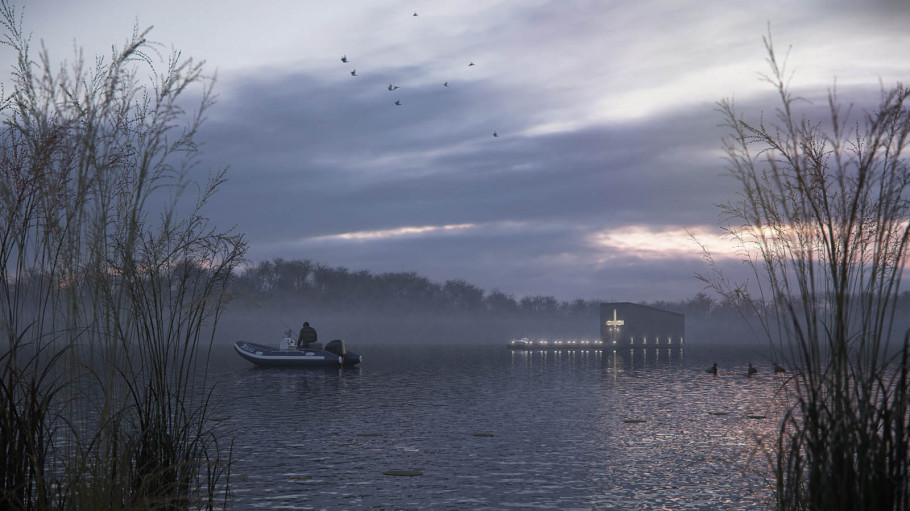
x=389, y=233
x=664, y=243
x=343, y=176
x=609, y=146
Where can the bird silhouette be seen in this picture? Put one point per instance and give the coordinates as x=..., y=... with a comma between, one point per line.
x=712, y=369
x=344, y=58
x=779, y=369
x=752, y=370
x=471, y=64
x=446, y=84
x=415, y=14
x=397, y=102
x=354, y=73
x=392, y=87
x=495, y=134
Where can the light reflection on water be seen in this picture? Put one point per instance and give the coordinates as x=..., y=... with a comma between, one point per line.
x=490, y=428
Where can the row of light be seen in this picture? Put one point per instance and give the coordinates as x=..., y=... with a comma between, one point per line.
x=558, y=343
x=656, y=341
x=526, y=342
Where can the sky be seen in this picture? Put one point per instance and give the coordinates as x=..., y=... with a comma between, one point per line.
x=607, y=157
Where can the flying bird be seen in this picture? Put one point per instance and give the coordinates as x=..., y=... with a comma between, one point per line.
x=415, y=14
x=354, y=73
x=446, y=84
x=471, y=64
x=495, y=134
x=397, y=102
x=392, y=87
x=344, y=58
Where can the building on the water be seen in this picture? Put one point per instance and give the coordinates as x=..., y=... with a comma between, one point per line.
x=624, y=324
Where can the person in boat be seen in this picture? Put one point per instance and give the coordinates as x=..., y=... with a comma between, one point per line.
x=307, y=336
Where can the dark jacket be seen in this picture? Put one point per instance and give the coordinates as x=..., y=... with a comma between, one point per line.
x=307, y=335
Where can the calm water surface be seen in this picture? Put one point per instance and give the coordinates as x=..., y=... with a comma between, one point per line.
x=494, y=429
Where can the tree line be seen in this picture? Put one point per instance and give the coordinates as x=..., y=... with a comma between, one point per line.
x=321, y=286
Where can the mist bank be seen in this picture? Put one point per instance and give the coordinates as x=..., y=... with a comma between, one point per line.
x=361, y=307
x=267, y=325
x=308, y=284
x=357, y=328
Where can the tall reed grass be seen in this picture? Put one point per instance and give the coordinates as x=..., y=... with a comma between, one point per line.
x=823, y=219
x=107, y=290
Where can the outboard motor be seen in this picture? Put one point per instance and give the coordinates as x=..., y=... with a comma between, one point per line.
x=337, y=347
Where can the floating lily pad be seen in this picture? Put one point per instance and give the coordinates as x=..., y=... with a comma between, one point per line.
x=482, y=434
x=369, y=434
x=634, y=421
x=301, y=478
x=756, y=417
x=404, y=473
x=218, y=419
x=720, y=413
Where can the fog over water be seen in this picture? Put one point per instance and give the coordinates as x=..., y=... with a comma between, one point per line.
x=266, y=326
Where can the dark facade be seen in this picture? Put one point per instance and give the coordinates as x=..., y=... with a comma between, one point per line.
x=631, y=325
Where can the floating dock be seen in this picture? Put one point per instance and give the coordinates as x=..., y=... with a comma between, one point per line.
x=622, y=325
x=525, y=344
x=529, y=345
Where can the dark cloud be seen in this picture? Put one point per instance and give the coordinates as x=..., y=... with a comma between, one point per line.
x=336, y=146
x=319, y=155
x=312, y=158
x=604, y=110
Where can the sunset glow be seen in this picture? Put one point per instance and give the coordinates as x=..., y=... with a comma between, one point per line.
x=649, y=243
x=392, y=233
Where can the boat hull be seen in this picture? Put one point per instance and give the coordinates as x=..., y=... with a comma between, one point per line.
x=267, y=356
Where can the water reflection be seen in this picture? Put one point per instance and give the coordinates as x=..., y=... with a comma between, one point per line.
x=613, y=360
x=641, y=358
x=490, y=428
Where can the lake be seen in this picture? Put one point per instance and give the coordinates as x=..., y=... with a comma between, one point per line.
x=489, y=428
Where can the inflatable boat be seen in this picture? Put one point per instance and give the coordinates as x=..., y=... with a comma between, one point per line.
x=287, y=354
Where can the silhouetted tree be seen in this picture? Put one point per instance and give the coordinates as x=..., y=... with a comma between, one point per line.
x=699, y=305
x=462, y=296
x=539, y=305
x=499, y=303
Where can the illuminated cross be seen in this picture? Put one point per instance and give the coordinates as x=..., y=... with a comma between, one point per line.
x=615, y=322
x=614, y=325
